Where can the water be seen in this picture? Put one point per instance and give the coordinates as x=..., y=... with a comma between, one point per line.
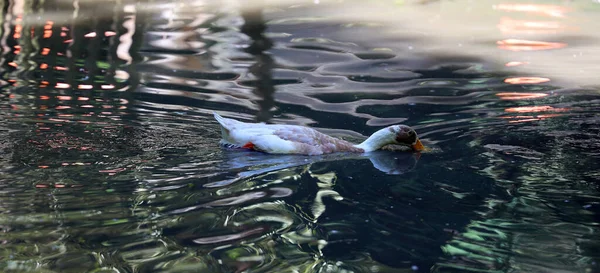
x=109, y=157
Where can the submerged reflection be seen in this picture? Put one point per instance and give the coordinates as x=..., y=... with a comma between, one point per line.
x=538, y=170
x=330, y=217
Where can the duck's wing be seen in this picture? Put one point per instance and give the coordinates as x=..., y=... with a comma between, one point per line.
x=299, y=134
x=274, y=139
x=312, y=142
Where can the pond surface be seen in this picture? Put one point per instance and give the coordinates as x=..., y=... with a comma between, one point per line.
x=109, y=159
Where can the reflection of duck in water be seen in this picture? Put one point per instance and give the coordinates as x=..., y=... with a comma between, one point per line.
x=389, y=162
x=293, y=139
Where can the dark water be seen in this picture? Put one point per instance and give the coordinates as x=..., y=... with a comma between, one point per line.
x=109, y=157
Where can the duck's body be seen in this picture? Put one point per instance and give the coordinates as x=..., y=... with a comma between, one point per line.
x=294, y=139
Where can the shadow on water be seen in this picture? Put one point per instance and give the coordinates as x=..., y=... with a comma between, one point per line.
x=254, y=27
x=109, y=159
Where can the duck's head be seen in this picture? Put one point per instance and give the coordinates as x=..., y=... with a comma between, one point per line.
x=404, y=135
x=396, y=135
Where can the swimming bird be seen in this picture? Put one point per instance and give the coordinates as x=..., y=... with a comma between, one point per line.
x=294, y=139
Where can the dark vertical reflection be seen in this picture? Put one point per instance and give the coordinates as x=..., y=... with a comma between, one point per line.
x=254, y=26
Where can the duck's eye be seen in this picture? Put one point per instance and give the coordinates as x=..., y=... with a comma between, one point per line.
x=411, y=133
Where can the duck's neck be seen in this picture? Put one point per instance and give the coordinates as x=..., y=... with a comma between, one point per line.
x=377, y=140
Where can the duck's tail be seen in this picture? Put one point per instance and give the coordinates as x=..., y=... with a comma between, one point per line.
x=226, y=126
x=221, y=120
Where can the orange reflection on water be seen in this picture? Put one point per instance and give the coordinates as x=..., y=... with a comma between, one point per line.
x=18, y=28
x=64, y=97
x=520, y=96
x=512, y=26
x=58, y=120
x=527, y=45
x=549, y=116
x=536, y=118
x=534, y=109
x=48, y=29
x=523, y=120
x=510, y=64
x=526, y=80
x=548, y=10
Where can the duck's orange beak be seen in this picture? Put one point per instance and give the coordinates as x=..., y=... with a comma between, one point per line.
x=418, y=146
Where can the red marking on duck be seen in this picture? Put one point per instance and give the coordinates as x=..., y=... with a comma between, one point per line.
x=249, y=145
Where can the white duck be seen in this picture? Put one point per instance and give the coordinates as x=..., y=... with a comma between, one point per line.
x=294, y=139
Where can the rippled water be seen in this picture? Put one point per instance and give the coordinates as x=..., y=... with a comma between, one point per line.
x=109, y=159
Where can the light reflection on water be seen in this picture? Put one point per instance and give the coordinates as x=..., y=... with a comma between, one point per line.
x=110, y=164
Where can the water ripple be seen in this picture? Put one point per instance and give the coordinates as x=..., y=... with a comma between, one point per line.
x=109, y=158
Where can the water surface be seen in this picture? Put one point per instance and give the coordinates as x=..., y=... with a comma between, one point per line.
x=109, y=159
